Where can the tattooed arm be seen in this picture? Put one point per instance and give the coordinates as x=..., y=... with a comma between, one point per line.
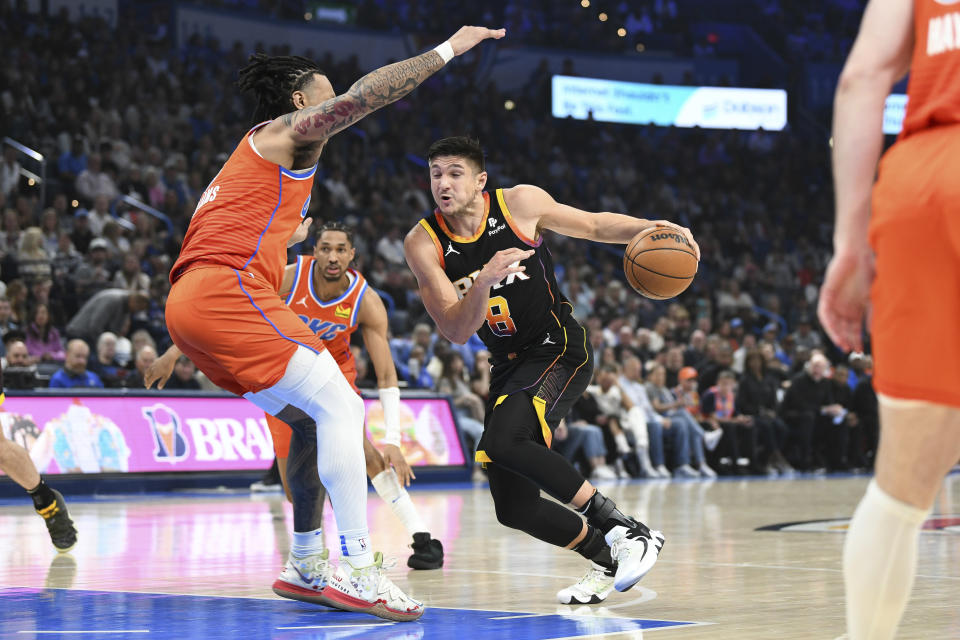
x=311, y=125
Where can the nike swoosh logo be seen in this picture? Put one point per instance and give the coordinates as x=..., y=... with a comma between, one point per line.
x=646, y=547
x=302, y=577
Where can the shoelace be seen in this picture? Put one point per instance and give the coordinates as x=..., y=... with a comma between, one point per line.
x=593, y=577
x=316, y=565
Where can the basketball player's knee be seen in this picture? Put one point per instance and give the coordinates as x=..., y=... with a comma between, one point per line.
x=6, y=454
x=514, y=514
x=499, y=443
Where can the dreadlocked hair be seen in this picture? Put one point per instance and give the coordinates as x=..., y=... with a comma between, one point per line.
x=271, y=80
x=334, y=225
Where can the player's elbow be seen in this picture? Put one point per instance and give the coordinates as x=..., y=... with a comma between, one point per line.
x=860, y=75
x=455, y=336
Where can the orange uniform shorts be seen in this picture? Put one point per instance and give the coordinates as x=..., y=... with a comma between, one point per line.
x=915, y=232
x=235, y=328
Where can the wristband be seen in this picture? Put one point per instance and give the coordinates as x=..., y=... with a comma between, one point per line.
x=390, y=401
x=446, y=51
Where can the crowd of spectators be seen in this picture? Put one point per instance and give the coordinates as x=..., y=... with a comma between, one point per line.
x=83, y=273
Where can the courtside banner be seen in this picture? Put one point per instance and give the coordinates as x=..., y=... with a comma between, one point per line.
x=96, y=434
x=666, y=106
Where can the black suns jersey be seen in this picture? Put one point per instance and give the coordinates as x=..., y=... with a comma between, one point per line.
x=524, y=306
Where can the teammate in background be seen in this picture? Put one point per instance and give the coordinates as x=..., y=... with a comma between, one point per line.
x=330, y=298
x=482, y=267
x=899, y=252
x=15, y=462
x=223, y=311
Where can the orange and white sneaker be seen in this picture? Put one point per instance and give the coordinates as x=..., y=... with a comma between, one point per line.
x=304, y=579
x=369, y=590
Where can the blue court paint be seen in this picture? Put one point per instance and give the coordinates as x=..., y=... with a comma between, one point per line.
x=35, y=613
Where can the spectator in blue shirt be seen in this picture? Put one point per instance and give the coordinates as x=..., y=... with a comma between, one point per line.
x=72, y=163
x=74, y=373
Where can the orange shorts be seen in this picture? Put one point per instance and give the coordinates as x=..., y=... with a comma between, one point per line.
x=915, y=232
x=281, y=431
x=235, y=328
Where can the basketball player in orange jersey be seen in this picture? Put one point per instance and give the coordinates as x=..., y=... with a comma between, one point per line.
x=330, y=297
x=224, y=313
x=898, y=249
x=333, y=300
x=482, y=267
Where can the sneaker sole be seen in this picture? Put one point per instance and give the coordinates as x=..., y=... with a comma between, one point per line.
x=594, y=599
x=342, y=601
x=423, y=564
x=626, y=582
x=293, y=592
x=66, y=549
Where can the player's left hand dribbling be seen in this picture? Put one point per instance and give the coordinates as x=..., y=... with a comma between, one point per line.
x=394, y=458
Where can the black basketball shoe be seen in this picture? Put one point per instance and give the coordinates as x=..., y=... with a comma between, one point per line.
x=427, y=552
x=62, y=532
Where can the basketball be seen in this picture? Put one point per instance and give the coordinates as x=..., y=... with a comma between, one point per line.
x=659, y=263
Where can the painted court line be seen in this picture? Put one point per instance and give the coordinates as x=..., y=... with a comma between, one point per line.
x=92, y=631
x=340, y=626
x=753, y=565
x=638, y=633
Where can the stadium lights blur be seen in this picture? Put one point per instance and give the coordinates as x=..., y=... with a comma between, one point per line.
x=584, y=3
x=509, y=105
x=640, y=47
x=602, y=17
x=621, y=32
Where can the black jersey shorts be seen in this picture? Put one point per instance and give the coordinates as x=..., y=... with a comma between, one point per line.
x=553, y=373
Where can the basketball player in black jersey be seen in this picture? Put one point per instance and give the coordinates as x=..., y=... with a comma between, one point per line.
x=15, y=462
x=482, y=267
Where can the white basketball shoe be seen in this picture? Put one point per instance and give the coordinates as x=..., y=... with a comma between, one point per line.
x=304, y=578
x=635, y=550
x=593, y=588
x=369, y=590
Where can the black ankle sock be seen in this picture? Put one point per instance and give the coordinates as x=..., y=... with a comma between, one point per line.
x=602, y=513
x=594, y=547
x=42, y=495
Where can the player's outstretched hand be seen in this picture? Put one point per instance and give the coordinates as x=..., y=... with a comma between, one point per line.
x=502, y=264
x=845, y=295
x=301, y=233
x=161, y=369
x=683, y=230
x=394, y=458
x=469, y=37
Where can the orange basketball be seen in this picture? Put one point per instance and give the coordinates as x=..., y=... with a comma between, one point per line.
x=659, y=263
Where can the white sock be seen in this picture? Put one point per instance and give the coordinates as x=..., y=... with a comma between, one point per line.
x=388, y=488
x=355, y=547
x=307, y=543
x=622, y=445
x=879, y=563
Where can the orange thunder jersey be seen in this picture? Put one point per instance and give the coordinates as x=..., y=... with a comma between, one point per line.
x=934, y=88
x=334, y=320
x=246, y=215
